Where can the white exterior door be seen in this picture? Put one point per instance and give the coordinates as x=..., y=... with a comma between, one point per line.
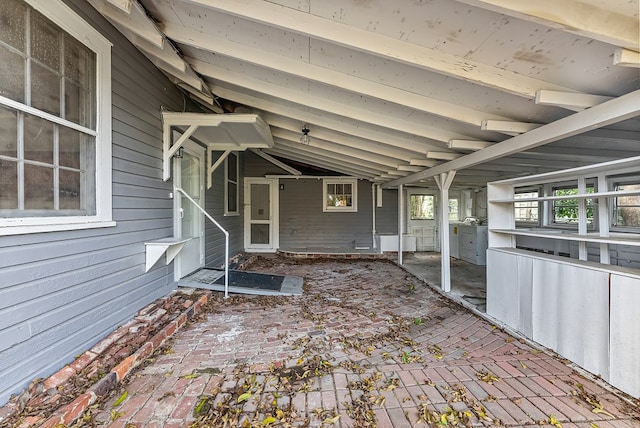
x=188, y=220
x=422, y=218
x=260, y=215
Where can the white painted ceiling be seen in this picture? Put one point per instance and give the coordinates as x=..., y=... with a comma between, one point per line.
x=385, y=86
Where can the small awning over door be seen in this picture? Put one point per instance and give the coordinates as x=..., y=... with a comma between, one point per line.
x=219, y=132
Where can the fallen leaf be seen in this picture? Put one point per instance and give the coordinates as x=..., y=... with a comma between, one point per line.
x=332, y=420
x=268, y=420
x=191, y=376
x=553, y=421
x=121, y=399
x=244, y=397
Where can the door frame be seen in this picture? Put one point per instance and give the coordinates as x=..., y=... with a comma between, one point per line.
x=198, y=151
x=274, y=205
x=435, y=222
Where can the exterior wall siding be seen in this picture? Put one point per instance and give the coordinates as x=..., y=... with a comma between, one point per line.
x=303, y=224
x=387, y=214
x=61, y=292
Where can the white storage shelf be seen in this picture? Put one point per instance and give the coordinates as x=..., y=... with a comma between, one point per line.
x=595, y=303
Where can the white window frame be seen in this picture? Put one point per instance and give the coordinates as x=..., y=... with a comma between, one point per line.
x=551, y=188
x=612, y=184
x=63, y=16
x=227, y=212
x=354, y=194
x=538, y=206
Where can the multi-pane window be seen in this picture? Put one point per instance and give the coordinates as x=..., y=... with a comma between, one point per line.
x=627, y=208
x=565, y=211
x=454, y=209
x=340, y=195
x=526, y=211
x=422, y=207
x=49, y=106
x=231, y=184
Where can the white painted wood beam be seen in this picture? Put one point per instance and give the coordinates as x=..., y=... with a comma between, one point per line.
x=408, y=145
x=396, y=173
x=307, y=99
x=322, y=163
x=508, y=126
x=569, y=100
x=331, y=137
x=281, y=63
x=597, y=20
x=468, y=144
x=410, y=168
x=335, y=148
x=165, y=54
x=328, y=154
x=135, y=21
x=123, y=5
x=380, y=45
x=291, y=170
x=614, y=111
x=443, y=155
x=626, y=58
x=424, y=162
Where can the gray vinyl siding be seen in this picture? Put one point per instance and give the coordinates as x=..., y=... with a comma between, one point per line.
x=387, y=214
x=303, y=224
x=214, y=204
x=255, y=166
x=62, y=292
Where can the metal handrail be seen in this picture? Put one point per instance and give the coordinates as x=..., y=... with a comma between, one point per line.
x=226, y=240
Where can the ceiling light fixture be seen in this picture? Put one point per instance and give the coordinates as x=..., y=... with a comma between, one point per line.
x=305, y=139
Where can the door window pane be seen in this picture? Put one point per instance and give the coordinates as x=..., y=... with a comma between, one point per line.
x=422, y=207
x=260, y=202
x=260, y=234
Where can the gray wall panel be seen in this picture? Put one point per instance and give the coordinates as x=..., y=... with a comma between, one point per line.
x=255, y=166
x=387, y=214
x=303, y=224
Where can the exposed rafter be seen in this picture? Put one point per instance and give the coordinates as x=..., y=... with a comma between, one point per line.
x=380, y=45
x=229, y=48
x=626, y=58
x=569, y=100
x=408, y=145
x=361, y=114
x=614, y=111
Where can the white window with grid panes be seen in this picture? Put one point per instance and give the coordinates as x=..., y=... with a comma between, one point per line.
x=340, y=195
x=55, y=120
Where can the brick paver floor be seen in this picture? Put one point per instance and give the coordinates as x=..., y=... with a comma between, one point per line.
x=366, y=345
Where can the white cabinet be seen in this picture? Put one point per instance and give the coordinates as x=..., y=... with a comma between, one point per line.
x=472, y=244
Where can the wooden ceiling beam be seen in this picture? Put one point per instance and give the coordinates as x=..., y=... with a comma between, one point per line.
x=380, y=45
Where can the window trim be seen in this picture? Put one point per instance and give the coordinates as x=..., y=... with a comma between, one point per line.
x=226, y=185
x=354, y=195
x=539, y=206
x=435, y=207
x=67, y=19
x=612, y=184
x=571, y=225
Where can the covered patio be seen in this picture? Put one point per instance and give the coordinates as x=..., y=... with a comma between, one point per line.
x=367, y=344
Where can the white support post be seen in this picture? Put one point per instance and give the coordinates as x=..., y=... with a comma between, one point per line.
x=400, y=221
x=582, y=217
x=444, y=183
x=603, y=219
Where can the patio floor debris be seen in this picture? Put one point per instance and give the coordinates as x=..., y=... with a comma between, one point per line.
x=366, y=345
